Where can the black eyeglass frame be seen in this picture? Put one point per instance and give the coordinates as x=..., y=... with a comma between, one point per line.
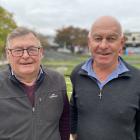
x=20, y=50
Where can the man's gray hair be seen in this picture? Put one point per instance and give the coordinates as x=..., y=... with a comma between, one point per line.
x=18, y=32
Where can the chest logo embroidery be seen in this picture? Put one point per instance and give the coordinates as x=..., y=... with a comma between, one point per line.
x=53, y=96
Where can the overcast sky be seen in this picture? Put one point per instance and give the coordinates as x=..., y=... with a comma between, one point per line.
x=46, y=16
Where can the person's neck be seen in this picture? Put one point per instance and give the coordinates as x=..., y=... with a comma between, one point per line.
x=28, y=80
x=103, y=72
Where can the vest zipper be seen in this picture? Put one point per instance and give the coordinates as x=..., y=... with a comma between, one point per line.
x=100, y=94
x=33, y=109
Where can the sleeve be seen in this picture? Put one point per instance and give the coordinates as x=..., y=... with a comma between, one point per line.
x=64, y=124
x=73, y=114
x=73, y=106
x=138, y=124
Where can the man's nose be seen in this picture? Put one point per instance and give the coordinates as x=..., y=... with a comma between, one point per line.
x=104, y=43
x=25, y=53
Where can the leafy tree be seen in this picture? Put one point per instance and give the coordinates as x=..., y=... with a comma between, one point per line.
x=43, y=40
x=71, y=36
x=7, y=24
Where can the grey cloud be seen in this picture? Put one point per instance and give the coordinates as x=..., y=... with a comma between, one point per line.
x=48, y=15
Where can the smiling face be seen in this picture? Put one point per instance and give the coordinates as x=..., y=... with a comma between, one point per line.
x=106, y=42
x=25, y=65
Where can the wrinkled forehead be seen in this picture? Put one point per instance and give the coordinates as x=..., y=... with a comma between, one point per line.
x=105, y=33
x=24, y=40
x=23, y=37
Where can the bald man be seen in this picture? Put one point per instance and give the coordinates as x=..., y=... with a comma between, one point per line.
x=105, y=103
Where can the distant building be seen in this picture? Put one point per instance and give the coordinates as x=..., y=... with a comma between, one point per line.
x=132, y=39
x=52, y=43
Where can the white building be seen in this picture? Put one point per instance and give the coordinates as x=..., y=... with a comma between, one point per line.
x=132, y=39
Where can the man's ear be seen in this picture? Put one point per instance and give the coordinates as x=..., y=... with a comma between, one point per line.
x=123, y=39
x=42, y=52
x=7, y=54
x=89, y=44
x=120, y=51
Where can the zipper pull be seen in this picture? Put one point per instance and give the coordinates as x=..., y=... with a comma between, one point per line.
x=100, y=94
x=33, y=109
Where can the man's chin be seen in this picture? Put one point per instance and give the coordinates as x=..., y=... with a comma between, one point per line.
x=26, y=71
x=103, y=63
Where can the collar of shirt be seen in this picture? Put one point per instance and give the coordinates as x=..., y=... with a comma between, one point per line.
x=121, y=68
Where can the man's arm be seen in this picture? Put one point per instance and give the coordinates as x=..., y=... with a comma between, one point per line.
x=138, y=125
x=64, y=125
x=73, y=105
x=73, y=116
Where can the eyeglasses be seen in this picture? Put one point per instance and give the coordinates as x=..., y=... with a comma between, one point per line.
x=18, y=52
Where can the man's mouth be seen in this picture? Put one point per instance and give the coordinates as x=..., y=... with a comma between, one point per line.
x=104, y=53
x=29, y=63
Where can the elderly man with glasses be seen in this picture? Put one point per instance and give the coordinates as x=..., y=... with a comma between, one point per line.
x=33, y=100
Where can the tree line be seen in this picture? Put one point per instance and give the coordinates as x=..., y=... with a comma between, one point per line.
x=7, y=24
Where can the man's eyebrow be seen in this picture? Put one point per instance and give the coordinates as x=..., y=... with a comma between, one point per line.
x=96, y=34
